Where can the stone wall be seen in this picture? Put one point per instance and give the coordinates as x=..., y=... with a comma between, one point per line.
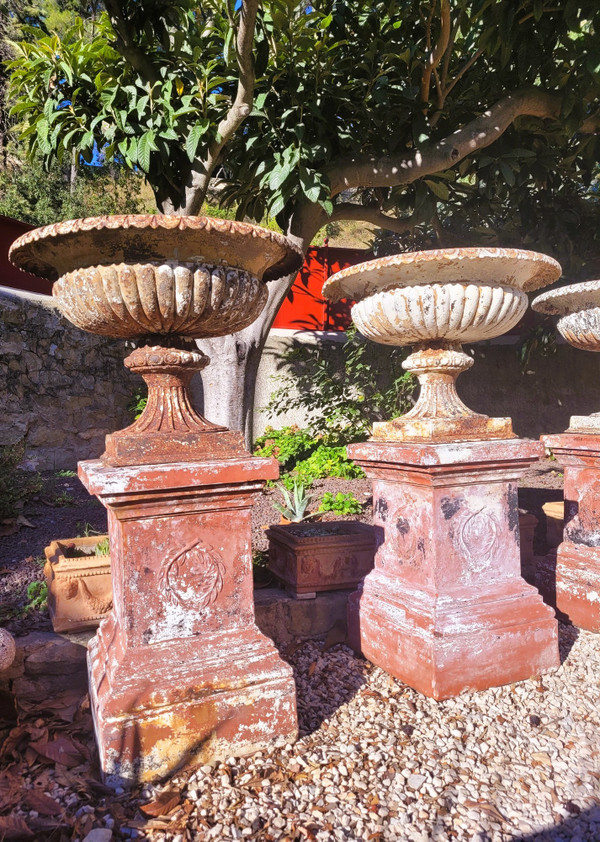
x=61, y=389
x=539, y=401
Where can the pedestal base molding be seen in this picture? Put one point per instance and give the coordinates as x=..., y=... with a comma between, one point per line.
x=446, y=609
x=179, y=672
x=570, y=578
x=190, y=702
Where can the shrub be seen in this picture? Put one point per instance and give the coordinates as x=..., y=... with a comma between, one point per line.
x=327, y=462
x=288, y=445
x=344, y=389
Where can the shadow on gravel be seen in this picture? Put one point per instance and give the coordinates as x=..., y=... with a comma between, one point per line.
x=567, y=635
x=326, y=677
x=583, y=826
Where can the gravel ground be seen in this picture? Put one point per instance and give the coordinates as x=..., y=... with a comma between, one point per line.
x=377, y=761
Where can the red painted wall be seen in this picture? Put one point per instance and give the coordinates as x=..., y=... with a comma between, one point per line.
x=10, y=276
x=305, y=308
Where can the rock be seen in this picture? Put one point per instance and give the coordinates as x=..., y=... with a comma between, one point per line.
x=416, y=781
x=55, y=656
x=99, y=834
x=8, y=649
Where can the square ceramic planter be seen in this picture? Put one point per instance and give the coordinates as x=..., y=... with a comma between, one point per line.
x=79, y=589
x=312, y=557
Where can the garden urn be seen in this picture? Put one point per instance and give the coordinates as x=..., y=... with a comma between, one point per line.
x=179, y=672
x=436, y=301
x=446, y=608
x=570, y=577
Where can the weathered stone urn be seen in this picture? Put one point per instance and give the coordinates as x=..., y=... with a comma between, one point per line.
x=161, y=281
x=570, y=578
x=445, y=608
x=436, y=300
x=179, y=672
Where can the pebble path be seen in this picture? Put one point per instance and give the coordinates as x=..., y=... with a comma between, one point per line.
x=377, y=761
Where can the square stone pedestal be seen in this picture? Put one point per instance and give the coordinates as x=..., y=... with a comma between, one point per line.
x=179, y=672
x=571, y=578
x=446, y=609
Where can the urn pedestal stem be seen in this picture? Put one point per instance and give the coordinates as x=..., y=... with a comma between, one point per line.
x=439, y=414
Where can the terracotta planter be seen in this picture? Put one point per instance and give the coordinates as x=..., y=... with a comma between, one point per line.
x=312, y=557
x=79, y=589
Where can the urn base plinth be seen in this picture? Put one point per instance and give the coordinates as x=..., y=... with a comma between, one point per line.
x=179, y=672
x=570, y=580
x=471, y=428
x=439, y=415
x=446, y=609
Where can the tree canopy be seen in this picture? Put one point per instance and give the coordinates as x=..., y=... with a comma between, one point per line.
x=446, y=117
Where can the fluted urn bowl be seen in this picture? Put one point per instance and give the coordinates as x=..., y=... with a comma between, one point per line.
x=165, y=279
x=436, y=300
x=578, y=309
x=129, y=276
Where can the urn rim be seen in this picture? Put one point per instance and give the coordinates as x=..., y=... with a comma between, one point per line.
x=53, y=250
x=520, y=268
x=568, y=299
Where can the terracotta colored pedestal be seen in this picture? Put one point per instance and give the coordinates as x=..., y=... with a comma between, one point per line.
x=445, y=609
x=179, y=672
x=575, y=590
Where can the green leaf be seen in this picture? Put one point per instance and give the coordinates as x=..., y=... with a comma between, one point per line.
x=192, y=141
x=439, y=189
x=144, y=148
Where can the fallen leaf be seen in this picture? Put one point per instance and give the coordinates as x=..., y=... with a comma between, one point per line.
x=14, y=827
x=167, y=802
x=42, y=803
x=22, y=521
x=61, y=750
x=311, y=669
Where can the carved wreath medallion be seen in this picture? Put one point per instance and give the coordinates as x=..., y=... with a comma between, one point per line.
x=194, y=577
x=477, y=537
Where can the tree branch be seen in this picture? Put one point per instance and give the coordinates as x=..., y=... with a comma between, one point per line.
x=446, y=153
x=126, y=43
x=365, y=213
x=438, y=53
x=242, y=105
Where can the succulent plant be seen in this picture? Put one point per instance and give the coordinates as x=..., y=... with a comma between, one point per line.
x=295, y=502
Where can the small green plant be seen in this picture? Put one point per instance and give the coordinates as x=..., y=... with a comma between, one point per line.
x=138, y=402
x=64, y=499
x=340, y=503
x=37, y=595
x=327, y=462
x=295, y=503
x=288, y=445
x=103, y=547
x=85, y=529
x=65, y=474
x=16, y=485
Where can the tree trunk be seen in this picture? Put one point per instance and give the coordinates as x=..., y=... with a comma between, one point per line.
x=229, y=381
